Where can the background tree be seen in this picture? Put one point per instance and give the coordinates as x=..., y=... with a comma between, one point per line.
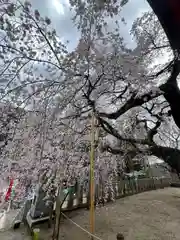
x=58, y=89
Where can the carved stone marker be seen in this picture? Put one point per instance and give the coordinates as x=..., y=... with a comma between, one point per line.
x=40, y=207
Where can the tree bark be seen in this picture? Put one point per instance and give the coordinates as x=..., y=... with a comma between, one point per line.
x=170, y=155
x=172, y=92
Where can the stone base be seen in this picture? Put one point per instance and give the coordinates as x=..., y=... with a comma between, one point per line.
x=33, y=221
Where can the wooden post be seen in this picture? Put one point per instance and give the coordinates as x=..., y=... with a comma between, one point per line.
x=120, y=236
x=51, y=215
x=53, y=194
x=80, y=195
x=57, y=211
x=57, y=215
x=92, y=174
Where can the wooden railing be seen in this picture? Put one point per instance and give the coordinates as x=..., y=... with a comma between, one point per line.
x=123, y=188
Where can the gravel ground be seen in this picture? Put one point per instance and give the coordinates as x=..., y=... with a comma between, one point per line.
x=153, y=215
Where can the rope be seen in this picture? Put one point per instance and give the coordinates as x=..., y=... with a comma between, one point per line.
x=81, y=227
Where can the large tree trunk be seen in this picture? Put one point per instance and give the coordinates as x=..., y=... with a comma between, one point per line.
x=172, y=92
x=170, y=155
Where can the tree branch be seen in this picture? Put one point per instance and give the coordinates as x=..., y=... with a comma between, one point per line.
x=133, y=101
x=112, y=131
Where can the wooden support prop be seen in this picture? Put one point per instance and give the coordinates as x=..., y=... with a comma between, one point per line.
x=92, y=174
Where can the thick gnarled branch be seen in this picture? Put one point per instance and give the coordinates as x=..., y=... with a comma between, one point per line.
x=133, y=101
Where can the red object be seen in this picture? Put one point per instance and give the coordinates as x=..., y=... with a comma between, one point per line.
x=8, y=194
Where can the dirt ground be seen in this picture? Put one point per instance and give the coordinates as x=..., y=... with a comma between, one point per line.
x=153, y=215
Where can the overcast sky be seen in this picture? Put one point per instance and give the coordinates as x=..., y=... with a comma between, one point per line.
x=58, y=12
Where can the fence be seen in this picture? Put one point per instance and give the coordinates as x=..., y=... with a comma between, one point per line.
x=123, y=188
